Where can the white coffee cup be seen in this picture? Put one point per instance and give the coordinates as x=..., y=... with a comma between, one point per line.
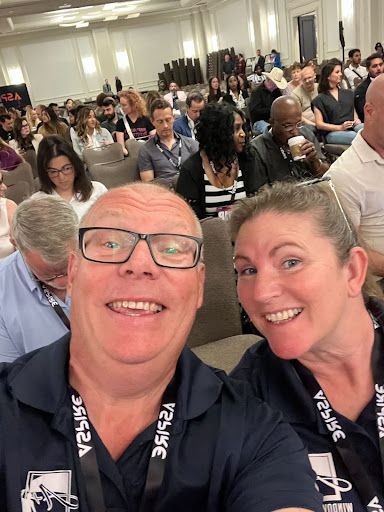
x=295, y=144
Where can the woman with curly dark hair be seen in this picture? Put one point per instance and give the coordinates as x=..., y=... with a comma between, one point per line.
x=224, y=170
x=62, y=174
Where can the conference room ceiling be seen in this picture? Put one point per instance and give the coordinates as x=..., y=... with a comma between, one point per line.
x=24, y=16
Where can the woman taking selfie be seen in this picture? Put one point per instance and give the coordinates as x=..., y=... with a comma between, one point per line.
x=61, y=173
x=223, y=171
x=302, y=278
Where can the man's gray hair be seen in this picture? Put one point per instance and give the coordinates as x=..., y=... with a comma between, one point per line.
x=46, y=225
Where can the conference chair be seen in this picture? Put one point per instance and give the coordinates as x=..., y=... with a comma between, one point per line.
x=23, y=172
x=31, y=157
x=104, y=155
x=18, y=191
x=219, y=318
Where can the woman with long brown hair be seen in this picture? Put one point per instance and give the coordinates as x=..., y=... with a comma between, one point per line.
x=89, y=133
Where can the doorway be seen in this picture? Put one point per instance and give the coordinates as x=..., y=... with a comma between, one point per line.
x=307, y=37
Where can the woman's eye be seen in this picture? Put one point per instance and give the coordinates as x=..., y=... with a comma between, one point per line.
x=292, y=262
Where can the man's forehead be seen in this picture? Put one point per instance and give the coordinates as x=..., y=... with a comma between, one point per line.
x=160, y=207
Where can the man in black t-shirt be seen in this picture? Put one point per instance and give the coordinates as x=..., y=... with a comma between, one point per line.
x=6, y=127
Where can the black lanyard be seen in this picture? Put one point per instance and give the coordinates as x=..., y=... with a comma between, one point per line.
x=56, y=306
x=351, y=460
x=176, y=166
x=159, y=451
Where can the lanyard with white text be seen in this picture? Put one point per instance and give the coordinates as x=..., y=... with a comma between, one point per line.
x=159, y=451
x=369, y=496
x=178, y=165
x=56, y=306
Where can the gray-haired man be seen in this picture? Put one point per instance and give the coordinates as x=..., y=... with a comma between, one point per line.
x=33, y=281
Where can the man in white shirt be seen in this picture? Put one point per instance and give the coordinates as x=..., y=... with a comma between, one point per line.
x=174, y=97
x=355, y=73
x=358, y=177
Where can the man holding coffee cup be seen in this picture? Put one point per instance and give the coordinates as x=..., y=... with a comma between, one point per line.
x=288, y=149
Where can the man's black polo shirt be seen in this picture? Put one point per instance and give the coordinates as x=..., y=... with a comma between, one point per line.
x=276, y=381
x=228, y=452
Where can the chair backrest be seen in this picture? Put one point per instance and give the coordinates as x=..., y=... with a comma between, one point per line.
x=18, y=191
x=133, y=147
x=225, y=354
x=23, y=172
x=219, y=317
x=104, y=155
x=117, y=173
x=31, y=158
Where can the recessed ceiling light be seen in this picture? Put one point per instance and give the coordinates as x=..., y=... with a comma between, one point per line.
x=67, y=24
x=82, y=24
x=124, y=9
x=133, y=15
x=111, y=18
x=65, y=6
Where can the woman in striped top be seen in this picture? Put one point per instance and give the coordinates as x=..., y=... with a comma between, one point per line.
x=224, y=169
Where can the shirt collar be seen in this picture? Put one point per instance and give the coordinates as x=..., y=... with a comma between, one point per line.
x=364, y=151
x=40, y=379
x=26, y=273
x=156, y=138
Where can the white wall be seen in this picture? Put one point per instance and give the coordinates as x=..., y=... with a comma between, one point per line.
x=62, y=63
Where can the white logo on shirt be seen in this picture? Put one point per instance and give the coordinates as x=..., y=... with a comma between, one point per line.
x=331, y=486
x=48, y=491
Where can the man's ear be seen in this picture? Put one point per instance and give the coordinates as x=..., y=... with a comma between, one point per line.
x=201, y=277
x=73, y=262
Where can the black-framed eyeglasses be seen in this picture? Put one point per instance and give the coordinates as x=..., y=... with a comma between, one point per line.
x=115, y=245
x=290, y=127
x=327, y=179
x=54, y=173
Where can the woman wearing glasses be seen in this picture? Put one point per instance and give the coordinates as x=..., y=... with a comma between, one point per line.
x=302, y=278
x=61, y=173
x=7, y=209
x=24, y=138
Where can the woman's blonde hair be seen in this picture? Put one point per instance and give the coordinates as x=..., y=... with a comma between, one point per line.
x=81, y=123
x=136, y=100
x=317, y=199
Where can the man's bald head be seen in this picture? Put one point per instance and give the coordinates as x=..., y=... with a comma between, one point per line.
x=283, y=107
x=375, y=92
x=285, y=118
x=142, y=195
x=374, y=114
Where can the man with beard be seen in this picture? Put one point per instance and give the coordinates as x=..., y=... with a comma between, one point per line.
x=112, y=116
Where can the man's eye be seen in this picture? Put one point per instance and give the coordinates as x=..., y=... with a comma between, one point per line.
x=112, y=245
x=171, y=249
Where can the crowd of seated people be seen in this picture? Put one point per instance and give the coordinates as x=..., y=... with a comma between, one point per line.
x=296, y=250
